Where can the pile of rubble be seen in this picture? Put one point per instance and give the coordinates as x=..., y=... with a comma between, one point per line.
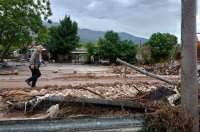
x=89, y=99
x=172, y=68
x=164, y=69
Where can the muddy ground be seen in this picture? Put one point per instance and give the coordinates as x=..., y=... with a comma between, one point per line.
x=72, y=74
x=111, y=82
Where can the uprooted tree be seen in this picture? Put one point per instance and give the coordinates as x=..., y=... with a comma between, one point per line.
x=20, y=18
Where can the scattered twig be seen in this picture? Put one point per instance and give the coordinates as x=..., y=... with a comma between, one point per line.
x=91, y=91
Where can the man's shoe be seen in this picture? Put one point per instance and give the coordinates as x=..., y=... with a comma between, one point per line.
x=29, y=83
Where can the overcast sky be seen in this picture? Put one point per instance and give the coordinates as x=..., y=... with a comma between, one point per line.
x=137, y=17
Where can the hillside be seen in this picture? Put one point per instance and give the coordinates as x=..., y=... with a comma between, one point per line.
x=87, y=35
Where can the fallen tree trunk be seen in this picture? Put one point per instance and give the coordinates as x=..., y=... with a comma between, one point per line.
x=145, y=72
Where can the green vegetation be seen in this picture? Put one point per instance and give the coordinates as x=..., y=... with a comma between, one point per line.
x=20, y=18
x=91, y=50
x=162, y=47
x=21, y=22
x=111, y=47
x=63, y=38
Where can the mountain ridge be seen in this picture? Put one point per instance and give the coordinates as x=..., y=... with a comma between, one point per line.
x=89, y=35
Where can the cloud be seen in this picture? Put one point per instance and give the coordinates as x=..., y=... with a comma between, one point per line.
x=138, y=17
x=93, y=5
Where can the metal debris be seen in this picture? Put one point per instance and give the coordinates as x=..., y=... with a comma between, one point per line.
x=145, y=72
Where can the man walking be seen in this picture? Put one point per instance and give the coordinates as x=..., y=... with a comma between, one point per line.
x=35, y=62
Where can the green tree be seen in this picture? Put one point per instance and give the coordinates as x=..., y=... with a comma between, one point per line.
x=63, y=38
x=20, y=17
x=42, y=36
x=107, y=46
x=26, y=40
x=162, y=46
x=91, y=50
x=112, y=37
x=127, y=51
x=111, y=47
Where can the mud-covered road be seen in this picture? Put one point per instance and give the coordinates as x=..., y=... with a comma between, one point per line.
x=71, y=74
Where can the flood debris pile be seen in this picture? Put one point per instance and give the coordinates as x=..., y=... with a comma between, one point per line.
x=122, y=70
x=90, y=99
x=172, y=68
x=93, y=99
x=170, y=119
x=163, y=69
x=165, y=117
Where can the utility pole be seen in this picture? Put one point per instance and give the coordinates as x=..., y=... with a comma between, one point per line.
x=189, y=83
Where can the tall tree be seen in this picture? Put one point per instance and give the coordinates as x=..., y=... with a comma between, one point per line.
x=108, y=46
x=189, y=83
x=20, y=17
x=63, y=38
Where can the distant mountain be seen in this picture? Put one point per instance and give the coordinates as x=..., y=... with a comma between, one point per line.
x=87, y=35
x=135, y=39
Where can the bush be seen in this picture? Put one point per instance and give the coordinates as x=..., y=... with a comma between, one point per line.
x=162, y=47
